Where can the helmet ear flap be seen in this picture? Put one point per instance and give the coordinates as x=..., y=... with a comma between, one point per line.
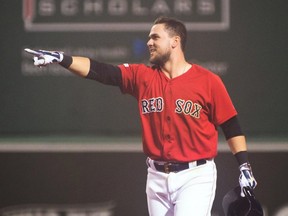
x=235, y=205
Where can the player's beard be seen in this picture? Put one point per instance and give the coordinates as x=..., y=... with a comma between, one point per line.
x=160, y=60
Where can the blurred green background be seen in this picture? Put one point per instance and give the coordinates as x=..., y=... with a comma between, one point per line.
x=250, y=55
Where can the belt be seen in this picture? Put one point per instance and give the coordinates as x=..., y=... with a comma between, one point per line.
x=168, y=167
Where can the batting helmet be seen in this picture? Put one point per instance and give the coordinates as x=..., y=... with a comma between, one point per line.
x=235, y=205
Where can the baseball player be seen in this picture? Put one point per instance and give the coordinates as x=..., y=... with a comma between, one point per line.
x=180, y=105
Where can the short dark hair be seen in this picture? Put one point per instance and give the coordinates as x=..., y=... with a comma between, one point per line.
x=174, y=27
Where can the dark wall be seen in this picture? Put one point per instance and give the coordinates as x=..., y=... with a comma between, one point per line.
x=44, y=179
x=250, y=55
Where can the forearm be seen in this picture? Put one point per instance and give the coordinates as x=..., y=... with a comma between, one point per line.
x=239, y=149
x=237, y=144
x=91, y=69
x=77, y=65
x=235, y=139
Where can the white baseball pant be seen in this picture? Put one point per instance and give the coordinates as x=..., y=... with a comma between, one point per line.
x=190, y=192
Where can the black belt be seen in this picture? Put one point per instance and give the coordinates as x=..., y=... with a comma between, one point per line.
x=168, y=167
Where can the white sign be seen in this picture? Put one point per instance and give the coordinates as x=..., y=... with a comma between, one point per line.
x=123, y=15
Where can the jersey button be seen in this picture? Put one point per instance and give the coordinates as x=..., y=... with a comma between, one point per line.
x=168, y=118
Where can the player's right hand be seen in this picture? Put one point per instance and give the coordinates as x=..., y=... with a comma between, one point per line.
x=44, y=57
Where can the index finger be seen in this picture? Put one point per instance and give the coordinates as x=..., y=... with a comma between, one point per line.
x=33, y=52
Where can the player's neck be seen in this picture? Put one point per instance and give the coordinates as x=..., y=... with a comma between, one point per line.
x=174, y=69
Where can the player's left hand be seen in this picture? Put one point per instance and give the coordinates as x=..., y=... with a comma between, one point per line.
x=44, y=57
x=246, y=178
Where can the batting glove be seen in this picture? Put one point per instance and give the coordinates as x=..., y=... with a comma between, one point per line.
x=246, y=178
x=44, y=57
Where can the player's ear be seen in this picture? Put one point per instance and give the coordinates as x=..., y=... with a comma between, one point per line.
x=176, y=41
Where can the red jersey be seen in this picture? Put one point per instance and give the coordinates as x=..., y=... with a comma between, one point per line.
x=179, y=116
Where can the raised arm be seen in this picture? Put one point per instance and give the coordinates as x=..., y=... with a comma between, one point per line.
x=81, y=66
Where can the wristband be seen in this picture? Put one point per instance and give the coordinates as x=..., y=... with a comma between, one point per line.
x=242, y=157
x=67, y=61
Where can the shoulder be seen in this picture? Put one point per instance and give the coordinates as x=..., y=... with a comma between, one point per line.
x=136, y=77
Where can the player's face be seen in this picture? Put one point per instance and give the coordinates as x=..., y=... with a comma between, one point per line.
x=159, y=45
